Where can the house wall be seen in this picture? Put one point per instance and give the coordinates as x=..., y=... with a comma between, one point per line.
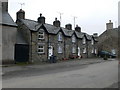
x=26, y=33
x=80, y=45
x=108, y=41
x=8, y=43
x=84, y=55
x=0, y=44
x=90, y=47
x=53, y=40
x=68, y=47
x=36, y=57
x=60, y=56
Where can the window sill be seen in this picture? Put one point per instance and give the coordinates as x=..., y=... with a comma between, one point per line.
x=41, y=39
x=60, y=53
x=41, y=53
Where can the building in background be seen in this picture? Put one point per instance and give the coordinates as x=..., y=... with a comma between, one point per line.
x=108, y=40
x=8, y=35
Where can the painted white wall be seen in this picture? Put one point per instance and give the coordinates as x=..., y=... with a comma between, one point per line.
x=119, y=13
x=9, y=40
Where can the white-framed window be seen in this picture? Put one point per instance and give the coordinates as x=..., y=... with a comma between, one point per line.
x=59, y=49
x=92, y=41
x=60, y=36
x=95, y=51
x=73, y=49
x=84, y=40
x=73, y=39
x=84, y=50
x=40, y=49
x=41, y=34
x=92, y=51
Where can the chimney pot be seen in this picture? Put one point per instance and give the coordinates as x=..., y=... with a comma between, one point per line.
x=56, y=23
x=20, y=14
x=68, y=26
x=5, y=6
x=77, y=28
x=55, y=19
x=41, y=19
x=109, y=25
x=40, y=14
x=95, y=34
x=109, y=21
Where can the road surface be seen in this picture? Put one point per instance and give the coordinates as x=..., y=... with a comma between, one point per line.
x=99, y=75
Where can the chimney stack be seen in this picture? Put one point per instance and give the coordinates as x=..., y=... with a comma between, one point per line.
x=95, y=34
x=56, y=23
x=41, y=19
x=20, y=14
x=5, y=6
x=109, y=25
x=77, y=28
x=68, y=26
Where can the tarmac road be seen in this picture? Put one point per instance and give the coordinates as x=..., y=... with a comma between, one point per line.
x=97, y=75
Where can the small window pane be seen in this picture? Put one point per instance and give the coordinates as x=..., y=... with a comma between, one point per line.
x=84, y=40
x=60, y=37
x=59, y=49
x=73, y=50
x=40, y=35
x=84, y=50
x=40, y=49
x=73, y=39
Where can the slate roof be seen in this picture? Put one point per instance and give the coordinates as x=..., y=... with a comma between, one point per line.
x=67, y=32
x=51, y=29
x=7, y=19
x=79, y=35
x=34, y=26
x=88, y=36
x=31, y=24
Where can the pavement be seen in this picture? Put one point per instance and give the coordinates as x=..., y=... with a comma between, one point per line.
x=60, y=64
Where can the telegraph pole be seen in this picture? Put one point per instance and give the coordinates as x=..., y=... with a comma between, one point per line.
x=74, y=17
x=60, y=16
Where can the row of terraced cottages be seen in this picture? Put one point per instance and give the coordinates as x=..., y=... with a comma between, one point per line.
x=45, y=40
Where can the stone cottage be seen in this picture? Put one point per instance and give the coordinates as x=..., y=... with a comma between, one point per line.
x=8, y=30
x=45, y=40
x=108, y=40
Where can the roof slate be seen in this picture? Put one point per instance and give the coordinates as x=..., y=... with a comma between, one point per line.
x=79, y=34
x=51, y=29
x=7, y=19
x=31, y=24
x=67, y=32
x=88, y=36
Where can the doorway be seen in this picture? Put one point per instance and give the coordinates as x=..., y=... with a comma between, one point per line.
x=79, y=51
x=50, y=51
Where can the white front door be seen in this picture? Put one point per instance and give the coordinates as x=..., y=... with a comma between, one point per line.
x=50, y=51
x=78, y=51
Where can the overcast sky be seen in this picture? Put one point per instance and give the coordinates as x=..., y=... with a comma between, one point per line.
x=92, y=15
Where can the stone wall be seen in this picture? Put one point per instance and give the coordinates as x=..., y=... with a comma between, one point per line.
x=108, y=41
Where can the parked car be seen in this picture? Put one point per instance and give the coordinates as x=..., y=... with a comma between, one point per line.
x=106, y=54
